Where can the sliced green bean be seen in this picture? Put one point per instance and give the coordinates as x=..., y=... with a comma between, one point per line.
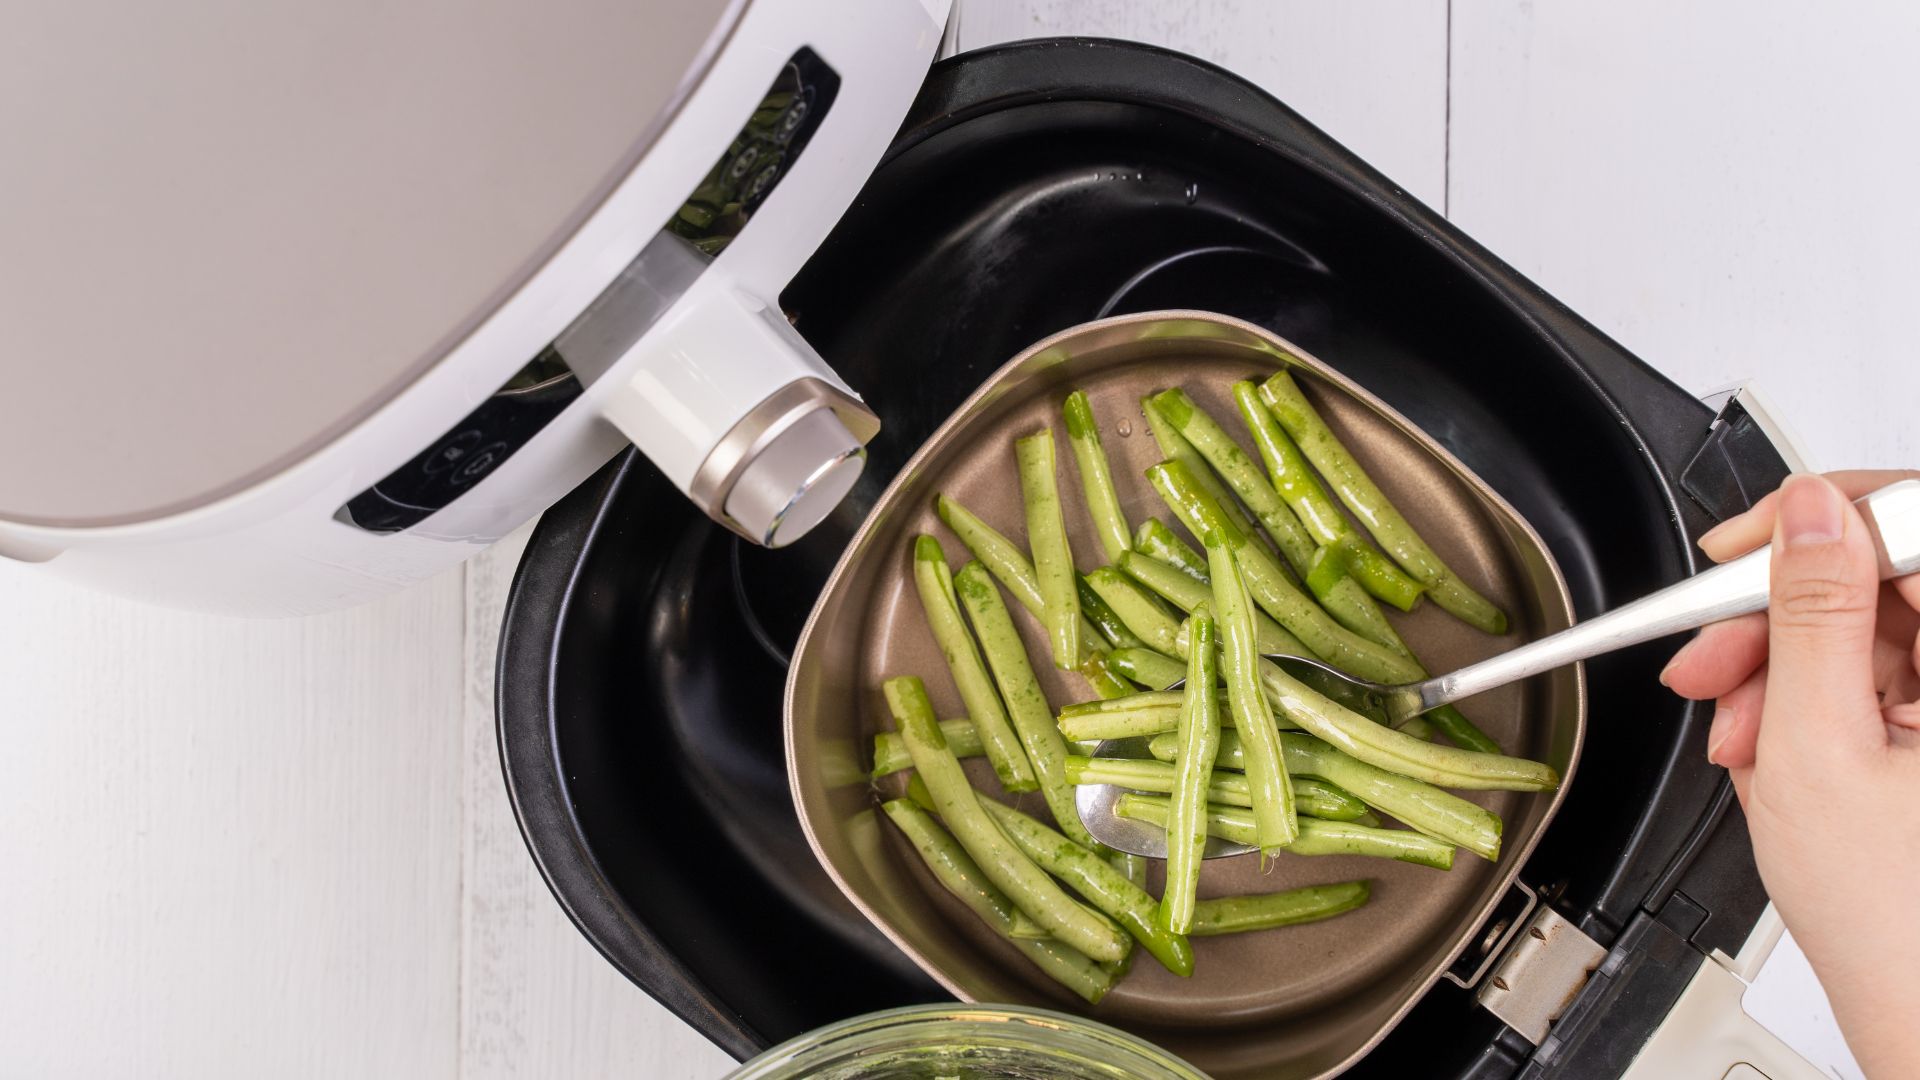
x=934, y=582
x=1316, y=837
x=1146, y=713
x=1052, y=557
x=1199, y=736
x=1175, y=447
x=1025, y=929
x=1186, y=594
x=1421, y=805
x=1332, y=583
x=1264, y=911
x=1419, y=727
x=1312, y=798
x=1105, y=888
x=1330, y=580
x=1357, y=490
x=1137, y=609
x=956, y=872
x=1315, y=509
x=890, y=753
x=1003, y=559
x=1025, y=884
x=1232, y=465
x=1395, y=751
x=1110, y=624
x=1154, y=539
x=1270, y=588
x=1023, y=926
x=1099, y=727
x=1026, y=704
x=1252, y=715
x=1106, y=682
x=1150, y=669
x=1096, y=476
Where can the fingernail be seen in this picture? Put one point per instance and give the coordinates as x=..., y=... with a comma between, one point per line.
x=1675, y=662
x=1810, y=511
x=1718, y=732
x=1705, y=543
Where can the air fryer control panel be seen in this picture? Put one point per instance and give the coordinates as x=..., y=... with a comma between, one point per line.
x=715, y=212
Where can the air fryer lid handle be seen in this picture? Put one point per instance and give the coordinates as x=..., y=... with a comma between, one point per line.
x=741, y=414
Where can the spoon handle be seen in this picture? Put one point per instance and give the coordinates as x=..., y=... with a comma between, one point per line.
x=1734, y=588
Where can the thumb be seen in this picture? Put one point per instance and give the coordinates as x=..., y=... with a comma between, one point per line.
x=1820, y=616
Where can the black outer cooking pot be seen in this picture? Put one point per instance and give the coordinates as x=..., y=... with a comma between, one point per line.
x=1033, y=187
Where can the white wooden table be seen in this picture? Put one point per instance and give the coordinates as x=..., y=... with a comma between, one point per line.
x=236, y=848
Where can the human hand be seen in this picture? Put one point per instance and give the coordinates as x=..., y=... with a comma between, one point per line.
x=1818, y=723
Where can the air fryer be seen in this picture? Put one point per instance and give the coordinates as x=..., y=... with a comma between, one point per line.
x=1033, y=187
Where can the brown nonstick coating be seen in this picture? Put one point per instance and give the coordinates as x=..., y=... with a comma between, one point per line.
x=1298, y=1001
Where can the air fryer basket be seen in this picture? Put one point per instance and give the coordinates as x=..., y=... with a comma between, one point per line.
x=1034, y=187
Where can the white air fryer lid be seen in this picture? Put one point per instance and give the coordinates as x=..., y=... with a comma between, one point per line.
x=233, y=230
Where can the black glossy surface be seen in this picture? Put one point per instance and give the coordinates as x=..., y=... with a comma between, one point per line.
x=1032, y=188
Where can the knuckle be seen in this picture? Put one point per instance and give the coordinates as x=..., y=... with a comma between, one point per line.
x=1819, y=599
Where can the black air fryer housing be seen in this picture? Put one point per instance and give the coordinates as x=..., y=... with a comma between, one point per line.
x=1033, y=187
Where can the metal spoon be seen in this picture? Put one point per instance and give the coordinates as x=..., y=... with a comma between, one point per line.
x=1734, y=588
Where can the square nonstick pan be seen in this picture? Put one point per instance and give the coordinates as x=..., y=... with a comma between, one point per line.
x=1297, y=1002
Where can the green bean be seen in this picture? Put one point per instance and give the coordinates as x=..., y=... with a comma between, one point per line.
x=1154, y=539
x=890, y=754
x=1025, y=929
x=1330, y=581
x=1235, y=914
x=1023, y=925
x=1132, y=867
x=1235, y=824
x=1395, y=751
x=1003, y=559
x=1233, y=465
x=1052, y=557
x=1096, y=477
x=934, y=582
x=1137, y=609
x=1175, y=447
x=1099, y=727
x=1270, y=588
x=1440, y=814
x=1147, y=667
x=1362, y=496
x=1146, y=699
x=1252, y=715
x=1024, y=883
x=1199, y=736
x=1312, y=798
x=1315, y=509
x=1106, y=682
x=1185, y=593
x=960, y=875
x=1105, y=619
x=1418, y=727
x=1146, y=713
x=1105, y=888
x=1026, y=704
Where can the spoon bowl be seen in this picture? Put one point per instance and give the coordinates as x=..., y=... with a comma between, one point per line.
x=1095, y=803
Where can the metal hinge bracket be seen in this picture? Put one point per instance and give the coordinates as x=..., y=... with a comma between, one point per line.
x=1540, y=975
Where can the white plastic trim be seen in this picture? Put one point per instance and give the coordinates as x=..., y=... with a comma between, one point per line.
x=275, y=548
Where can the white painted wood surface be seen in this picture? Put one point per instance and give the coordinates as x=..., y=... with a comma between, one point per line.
x=237, y=848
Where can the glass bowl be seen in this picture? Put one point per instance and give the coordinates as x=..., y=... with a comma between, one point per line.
x=966, y=1042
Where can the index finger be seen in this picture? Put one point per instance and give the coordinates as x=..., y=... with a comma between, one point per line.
x=1738, y=535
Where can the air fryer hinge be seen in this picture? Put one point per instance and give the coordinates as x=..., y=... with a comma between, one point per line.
x=1540, y=975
